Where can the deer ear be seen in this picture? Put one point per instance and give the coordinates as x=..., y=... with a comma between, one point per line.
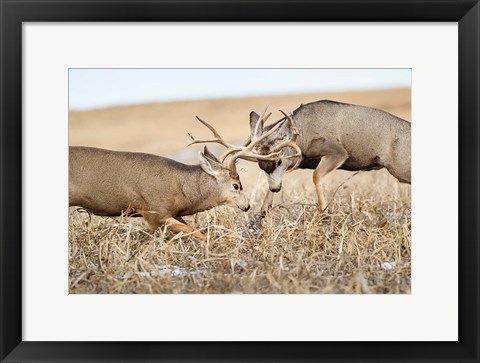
x=253, y=123
x=209, y=155
x=209, y=166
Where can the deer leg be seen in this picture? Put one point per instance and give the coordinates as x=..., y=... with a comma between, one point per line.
x=267, y=202
x=327, y=164
x=153, y=221
x=257, y=217
x=176, y=226
x=181, y=220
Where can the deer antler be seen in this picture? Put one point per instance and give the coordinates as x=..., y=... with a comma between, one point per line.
x=246, y=152
x=243, y=152
x=291, y=143
x=218, y=139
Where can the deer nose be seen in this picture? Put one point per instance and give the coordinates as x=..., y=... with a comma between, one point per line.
x=276, y=190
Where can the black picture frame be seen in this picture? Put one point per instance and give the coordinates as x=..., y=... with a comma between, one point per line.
x=14, y=12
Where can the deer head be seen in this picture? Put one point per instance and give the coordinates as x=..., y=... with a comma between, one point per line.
x=229, y=187
x=274, y=147
x=278, y=139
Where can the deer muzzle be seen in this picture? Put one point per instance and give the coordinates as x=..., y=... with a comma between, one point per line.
x=276, y=189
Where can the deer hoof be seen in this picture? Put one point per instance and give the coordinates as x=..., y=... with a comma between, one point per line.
x=323, y=209
x=255, y=220
x=199, y=235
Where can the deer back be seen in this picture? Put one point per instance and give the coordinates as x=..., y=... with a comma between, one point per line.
x=368, y=135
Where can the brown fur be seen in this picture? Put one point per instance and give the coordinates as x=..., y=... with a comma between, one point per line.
x=338, y=135
x=161, y=190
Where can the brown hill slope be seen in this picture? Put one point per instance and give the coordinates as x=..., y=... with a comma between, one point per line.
x=162, y=127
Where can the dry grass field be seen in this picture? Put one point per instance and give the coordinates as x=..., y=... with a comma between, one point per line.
x=363, y=245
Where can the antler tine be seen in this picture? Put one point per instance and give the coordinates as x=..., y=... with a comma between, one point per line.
x=265, y=135
x=249, y=140
x=245, y=152
x=218, y=139
x=298, y=155
x=291, y=143
x=210, y=127
x=290, y=121
x=267, y=117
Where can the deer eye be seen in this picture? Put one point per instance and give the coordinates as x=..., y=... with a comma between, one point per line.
x=236, y=186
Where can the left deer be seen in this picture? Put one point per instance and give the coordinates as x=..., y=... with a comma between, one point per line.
x=109, y=183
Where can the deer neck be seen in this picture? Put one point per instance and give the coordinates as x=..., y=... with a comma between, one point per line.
x=200, y=192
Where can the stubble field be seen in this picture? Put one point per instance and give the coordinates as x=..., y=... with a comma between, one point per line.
x=363, y=245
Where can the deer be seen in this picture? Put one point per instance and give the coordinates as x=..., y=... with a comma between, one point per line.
x=328, y=135
x=162, y=190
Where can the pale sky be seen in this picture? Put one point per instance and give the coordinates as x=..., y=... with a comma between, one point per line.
x=97, y=88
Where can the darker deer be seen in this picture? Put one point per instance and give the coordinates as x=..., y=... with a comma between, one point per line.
x=327, y=135
x=111, y=183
